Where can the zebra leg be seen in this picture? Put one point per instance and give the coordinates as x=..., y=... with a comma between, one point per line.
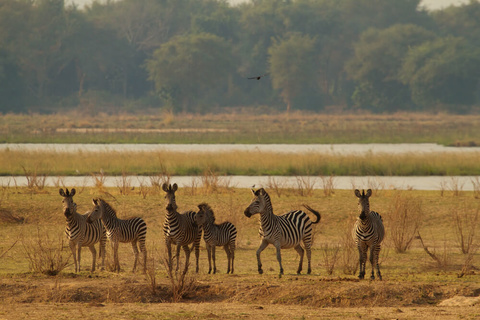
x=94, y=256
x=169, y=253
x=143, y=249
x=375, y=264
x=362, y=252
x=103, y=244
x=309, y=258
x=79, y=254
x=135, y=253
x=279, y=257
x=301, y=252
x=262, y=247
x=232, y=257
x=196, y=244
x=209, y=254
x=73, y=248
x=187, y=257
x=178, y=256
x=214, y=260
x=116, y=262
x=227, y=251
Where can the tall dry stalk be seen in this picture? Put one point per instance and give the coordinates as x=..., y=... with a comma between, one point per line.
x=465, y=225
x=277, y=185
x=124, y=184
x=328, y=185
x=330, y=257
x=35, y=182
x=455, y=186
x=305, y=185
x=404, y=220
x=349, y=252
x=180, y=284
x=443, y=259
x=476, y=187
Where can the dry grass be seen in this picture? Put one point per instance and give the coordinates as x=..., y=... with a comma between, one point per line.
x=242, y=127
x=207, y=165
x=410, y=279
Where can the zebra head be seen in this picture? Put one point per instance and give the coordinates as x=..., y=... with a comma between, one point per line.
x=97, y=211
x=204, y=215
x=258, y=203
x=69, y=205
x=170, y=195
x=363, y=202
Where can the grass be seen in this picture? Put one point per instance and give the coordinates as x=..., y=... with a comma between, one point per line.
x=40, y=163
x=241, y=127
x=413, y=281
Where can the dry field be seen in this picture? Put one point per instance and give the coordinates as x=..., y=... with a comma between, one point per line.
x=441, y=284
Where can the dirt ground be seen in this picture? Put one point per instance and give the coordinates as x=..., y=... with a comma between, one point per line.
x=129, y=296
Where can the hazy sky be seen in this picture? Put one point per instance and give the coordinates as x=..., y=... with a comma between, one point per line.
x=430, y=4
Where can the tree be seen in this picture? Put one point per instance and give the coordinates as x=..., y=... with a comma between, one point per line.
x=445, y=71
x=378, y=59
x=293, y=66
x=188, y=67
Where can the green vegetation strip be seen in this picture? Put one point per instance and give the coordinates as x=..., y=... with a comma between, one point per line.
x=293, y=128
x=236, y=163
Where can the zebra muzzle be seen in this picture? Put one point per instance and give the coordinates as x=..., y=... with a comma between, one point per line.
x=247, y=213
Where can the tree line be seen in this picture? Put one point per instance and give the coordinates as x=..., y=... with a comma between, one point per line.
x=197, y=55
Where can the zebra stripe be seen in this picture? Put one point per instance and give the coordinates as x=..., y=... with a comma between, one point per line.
x=368, y=232
x=224, y=234
x=132, y=230
x=180, y=229
x=285, y=231
x=80, y=233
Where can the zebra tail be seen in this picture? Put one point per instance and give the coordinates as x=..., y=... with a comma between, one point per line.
x=315, y=212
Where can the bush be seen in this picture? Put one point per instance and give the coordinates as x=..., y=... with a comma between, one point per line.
x=404, y=221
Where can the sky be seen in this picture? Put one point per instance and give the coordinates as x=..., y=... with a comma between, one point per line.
x=430, y=4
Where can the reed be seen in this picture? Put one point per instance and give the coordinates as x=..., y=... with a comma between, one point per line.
x=115, y=163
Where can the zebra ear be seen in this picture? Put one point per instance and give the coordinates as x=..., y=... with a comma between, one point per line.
x=174, y=187
x=253, y=191
x=72, y=192
x=261, y=191
x=95, y=202
x=62, y=193
x=165, y=187
x=357, y=193
x=369, y=193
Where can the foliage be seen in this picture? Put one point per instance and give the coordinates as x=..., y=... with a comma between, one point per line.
x=443, y=72
x=378, y=59
x=293, y=65
x=118, y=55
x=187, y=66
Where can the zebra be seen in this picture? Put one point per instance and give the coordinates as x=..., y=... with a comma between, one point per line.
x=224, y=234
x=81, y=234
x=132, y=230
x=368, y=232
x=180, y=229
x=285, y=231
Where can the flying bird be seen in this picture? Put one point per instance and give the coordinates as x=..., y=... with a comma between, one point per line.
x=258, y=77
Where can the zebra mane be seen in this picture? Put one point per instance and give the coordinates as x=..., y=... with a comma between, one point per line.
x=206, y=207
x=107, y=207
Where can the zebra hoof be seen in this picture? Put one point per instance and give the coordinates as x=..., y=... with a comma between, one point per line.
x=260, y=271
